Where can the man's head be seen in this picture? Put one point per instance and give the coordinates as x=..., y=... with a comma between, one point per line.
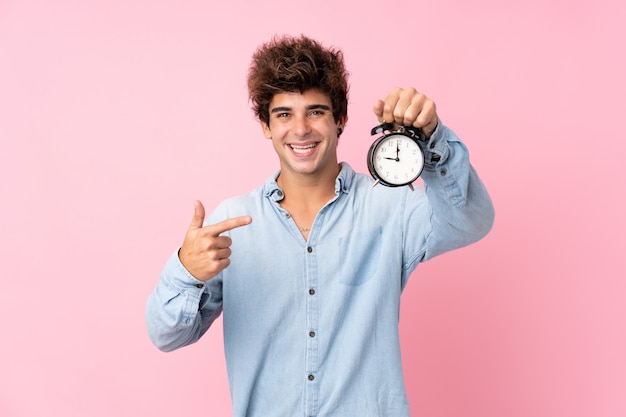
x=297, y=64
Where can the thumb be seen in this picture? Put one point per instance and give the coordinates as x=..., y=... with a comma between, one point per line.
x=198, y=215
x=379, y=107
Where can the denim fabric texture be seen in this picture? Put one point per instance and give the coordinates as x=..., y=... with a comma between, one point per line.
x=311, y=327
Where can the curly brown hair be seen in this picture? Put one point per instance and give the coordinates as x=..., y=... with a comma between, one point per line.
x=297, y=64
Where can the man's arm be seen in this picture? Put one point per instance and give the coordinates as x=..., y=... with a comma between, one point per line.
x=181, y=308
x=188, y=297
x=461, y=211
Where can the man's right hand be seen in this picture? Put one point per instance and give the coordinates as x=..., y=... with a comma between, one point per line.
x=204, y=252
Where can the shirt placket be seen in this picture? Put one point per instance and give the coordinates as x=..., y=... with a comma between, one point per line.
x=312, y=331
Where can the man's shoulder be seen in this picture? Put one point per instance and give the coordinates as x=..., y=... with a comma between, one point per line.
x=243, y=199
x=244, y=204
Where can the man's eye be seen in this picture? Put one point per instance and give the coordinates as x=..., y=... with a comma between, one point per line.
x=317, y=112
x=282, y=115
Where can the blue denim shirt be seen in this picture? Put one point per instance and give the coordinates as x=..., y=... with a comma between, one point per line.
x=311, y=327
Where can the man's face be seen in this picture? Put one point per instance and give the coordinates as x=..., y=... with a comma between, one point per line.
x=304, y=133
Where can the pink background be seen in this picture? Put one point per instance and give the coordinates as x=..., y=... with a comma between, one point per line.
x=116, y=115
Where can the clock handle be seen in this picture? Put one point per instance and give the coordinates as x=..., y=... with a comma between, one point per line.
x=414, y=132
x=381, y=128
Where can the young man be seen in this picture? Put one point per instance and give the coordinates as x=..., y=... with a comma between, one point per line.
x=310, y=290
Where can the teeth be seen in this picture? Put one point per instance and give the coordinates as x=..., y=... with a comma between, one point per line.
x=302, y=149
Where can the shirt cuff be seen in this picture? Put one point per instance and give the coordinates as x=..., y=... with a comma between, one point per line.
x=176, y=276
x=437, y=149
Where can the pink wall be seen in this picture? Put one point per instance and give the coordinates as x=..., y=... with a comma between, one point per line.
x=116, y=115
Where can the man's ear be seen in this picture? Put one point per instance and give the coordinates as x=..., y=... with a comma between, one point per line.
x=341, y=124
x=266, y=130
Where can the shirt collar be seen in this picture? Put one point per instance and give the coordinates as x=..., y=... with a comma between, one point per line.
x=343, y=183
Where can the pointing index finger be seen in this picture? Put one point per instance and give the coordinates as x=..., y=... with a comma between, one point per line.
x=229, y=224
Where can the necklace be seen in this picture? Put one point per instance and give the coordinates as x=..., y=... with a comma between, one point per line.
x=300, y=228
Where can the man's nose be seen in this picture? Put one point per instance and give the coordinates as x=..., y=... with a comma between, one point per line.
x=301, y=126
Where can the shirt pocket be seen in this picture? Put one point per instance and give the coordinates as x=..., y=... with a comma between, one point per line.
x=359, y=255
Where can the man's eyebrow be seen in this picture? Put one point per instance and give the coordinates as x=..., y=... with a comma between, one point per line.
x=318, y=106
x=281, y=109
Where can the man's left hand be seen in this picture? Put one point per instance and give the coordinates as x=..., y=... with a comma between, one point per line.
x=408, y=107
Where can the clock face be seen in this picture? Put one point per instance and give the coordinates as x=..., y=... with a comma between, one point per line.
x=396, y=160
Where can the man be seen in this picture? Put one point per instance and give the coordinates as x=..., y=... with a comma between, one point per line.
x=310, y=290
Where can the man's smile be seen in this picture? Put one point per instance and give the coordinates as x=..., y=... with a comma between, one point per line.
x=303, y=149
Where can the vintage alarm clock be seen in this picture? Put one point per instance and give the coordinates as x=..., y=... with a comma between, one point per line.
x=396, y=158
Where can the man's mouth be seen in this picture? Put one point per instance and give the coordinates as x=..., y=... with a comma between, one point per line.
x=302, y=149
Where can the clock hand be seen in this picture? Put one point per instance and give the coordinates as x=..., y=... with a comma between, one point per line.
x=392, y=159
x=397, y=159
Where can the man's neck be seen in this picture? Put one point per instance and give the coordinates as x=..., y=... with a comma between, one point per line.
x=306, y=191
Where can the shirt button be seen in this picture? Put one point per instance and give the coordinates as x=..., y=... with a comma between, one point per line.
x=311, y=291
x=199, y=285
x=312, y=334
x=432, y=145
x=443, y=172
x=309, y=249
x=311, y=377
x=280, y=193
